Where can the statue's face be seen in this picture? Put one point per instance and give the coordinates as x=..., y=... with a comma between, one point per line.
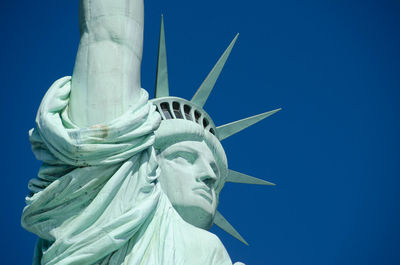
x=189, y=176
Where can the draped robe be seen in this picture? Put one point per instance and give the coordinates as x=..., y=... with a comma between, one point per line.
x=97, y=200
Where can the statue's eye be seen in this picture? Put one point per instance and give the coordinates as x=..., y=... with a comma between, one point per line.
x=186, y=156
x=215, y=168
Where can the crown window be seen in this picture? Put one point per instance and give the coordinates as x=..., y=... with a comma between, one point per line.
x=165, y=109
x=177, y=111
x=197, y=115
x=187, y=109
x=205, y=122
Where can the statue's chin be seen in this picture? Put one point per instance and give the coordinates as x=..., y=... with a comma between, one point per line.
x=196, y=216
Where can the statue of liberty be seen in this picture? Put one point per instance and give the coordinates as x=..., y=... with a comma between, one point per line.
x=127, y=180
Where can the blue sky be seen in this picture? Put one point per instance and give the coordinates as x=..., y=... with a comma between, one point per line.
x=333, y=66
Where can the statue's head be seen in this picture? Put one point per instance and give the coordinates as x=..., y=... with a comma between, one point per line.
x=192, y=162
x=193, y=169
x=190, y=178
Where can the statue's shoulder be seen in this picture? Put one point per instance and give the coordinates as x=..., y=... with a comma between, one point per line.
x=204, y=244
x=189, y=244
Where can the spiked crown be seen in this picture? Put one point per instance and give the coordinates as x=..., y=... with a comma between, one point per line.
x=176, y=108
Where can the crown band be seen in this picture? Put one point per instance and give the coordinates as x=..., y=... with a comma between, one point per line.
x=179, y=108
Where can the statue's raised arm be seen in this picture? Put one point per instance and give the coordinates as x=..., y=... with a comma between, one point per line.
x=106, y=78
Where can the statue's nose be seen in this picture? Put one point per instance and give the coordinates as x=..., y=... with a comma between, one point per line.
x=207, y=174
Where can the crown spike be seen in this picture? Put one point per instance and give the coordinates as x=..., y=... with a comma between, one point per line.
x=227, y=130
x=206, y=87
x=162, y=88
x=237, y=177
x=222, y=223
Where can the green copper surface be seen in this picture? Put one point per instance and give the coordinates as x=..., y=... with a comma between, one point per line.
x=221, y=222
x=237, y=177
x=162, y=88
x=206, y=87
x=126, y=180
x=232, y=128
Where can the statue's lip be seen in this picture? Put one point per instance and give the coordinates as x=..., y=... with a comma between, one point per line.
x=204, y=192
